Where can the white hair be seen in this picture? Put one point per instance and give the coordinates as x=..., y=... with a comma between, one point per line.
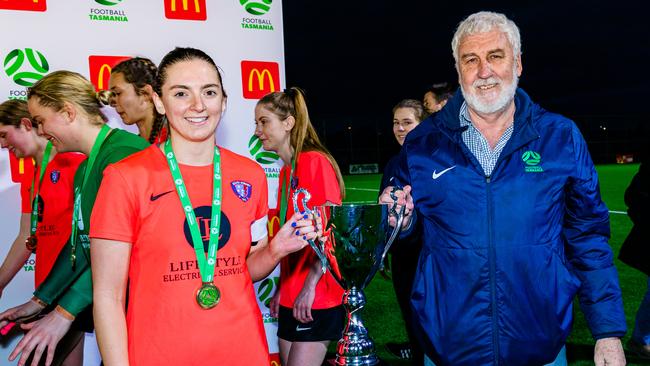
x=483, y=22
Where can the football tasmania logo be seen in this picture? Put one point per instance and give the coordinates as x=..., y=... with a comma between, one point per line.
x=25, y=66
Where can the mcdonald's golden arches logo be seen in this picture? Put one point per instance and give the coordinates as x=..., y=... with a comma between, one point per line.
x=186, y=9
x=28, y=5
x=259, y=78
x=100, y=69
x=273, y=225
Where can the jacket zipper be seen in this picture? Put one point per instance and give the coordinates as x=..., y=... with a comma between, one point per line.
x=492, y=260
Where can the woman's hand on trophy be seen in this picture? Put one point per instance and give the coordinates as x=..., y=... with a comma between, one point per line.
x=400, y=198
x=293, y=235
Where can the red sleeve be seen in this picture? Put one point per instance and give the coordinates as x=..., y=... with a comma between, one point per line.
x=318, y=176
x=114, y=212
x=25, y=196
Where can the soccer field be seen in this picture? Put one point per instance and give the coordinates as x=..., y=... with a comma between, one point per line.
x=382, y=316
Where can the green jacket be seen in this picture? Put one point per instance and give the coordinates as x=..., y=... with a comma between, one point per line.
x=71, y=288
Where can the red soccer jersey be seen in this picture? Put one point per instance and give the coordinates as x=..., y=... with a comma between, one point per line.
x=315, y=173
x=55, y=211
x=138, y=204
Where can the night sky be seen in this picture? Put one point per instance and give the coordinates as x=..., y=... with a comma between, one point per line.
x=356, y=59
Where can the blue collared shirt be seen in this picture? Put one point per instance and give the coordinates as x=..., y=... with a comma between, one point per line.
x=478, y=145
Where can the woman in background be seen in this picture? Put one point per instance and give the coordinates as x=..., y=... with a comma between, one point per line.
x=436, y=96
x=407, y=115
x=309, y=310
x=132, y=86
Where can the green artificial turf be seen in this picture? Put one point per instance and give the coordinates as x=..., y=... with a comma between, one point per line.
x=382, y=316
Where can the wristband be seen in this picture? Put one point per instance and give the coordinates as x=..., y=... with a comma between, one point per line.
x=64, y=313
x=38, y=302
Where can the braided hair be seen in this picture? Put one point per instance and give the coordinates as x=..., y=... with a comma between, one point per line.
x=140, y=72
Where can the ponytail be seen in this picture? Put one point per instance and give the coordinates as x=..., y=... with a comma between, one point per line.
x=291, y=102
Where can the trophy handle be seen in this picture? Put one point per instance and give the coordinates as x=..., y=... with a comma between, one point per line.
x=396, y=229
x=379, y=262
x=318, y=249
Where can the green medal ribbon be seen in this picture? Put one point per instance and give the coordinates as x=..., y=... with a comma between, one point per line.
x=77, y=217
x=36, y=191
x=284, y=195
x=208, y=294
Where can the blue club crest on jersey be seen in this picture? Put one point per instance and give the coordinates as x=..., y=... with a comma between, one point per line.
x=54, y=176
x=242, y=189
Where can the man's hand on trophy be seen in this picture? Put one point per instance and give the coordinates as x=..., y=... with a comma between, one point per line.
x=293, y=235
x=399, y=198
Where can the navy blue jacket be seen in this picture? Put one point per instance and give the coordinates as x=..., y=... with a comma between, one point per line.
x=504, y=255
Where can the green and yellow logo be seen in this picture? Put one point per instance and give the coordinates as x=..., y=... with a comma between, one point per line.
x=108, y=2
x=531, y=161
x=256, y=7
x=260, y=155
x=26, y=73
x=108, y=15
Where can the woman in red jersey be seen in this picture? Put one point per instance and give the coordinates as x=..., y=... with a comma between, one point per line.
x=48, y=211
x=184, y=223
x=132, y=86
x=52, y=191
x=310, y=313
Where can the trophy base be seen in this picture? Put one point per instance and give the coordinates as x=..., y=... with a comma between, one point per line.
x=368, y=360
x=355, y=348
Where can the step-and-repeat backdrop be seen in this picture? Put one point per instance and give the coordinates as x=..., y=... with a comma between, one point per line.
x=244, y=37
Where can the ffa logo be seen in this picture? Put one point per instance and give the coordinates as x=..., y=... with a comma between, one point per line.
x=256, y=7
x=242, y=189
x=108, y=2
x=531, y=161
x=54, y=176
x=30, y=74
x=203, y=218
x=260, y=155
x=266, y=289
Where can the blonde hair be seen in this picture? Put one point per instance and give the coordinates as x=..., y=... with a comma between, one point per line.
x=59, y=87
x=303, y=137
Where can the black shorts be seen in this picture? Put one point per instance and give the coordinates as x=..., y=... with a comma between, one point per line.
x=327, y=325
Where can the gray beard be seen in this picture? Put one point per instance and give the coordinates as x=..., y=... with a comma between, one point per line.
x=505, y=97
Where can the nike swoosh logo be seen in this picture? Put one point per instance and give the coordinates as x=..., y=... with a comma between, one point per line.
x=437, y=175
x=299, y=328
x=153, y=198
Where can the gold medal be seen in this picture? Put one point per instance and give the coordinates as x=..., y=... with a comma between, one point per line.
x=208, y=295
x=30, y=243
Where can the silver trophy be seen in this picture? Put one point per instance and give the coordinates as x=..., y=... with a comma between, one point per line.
x=359, y=239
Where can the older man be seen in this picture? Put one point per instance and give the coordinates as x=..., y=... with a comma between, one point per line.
x=513, y=222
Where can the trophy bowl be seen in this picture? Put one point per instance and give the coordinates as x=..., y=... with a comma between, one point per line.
x=359, y=237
